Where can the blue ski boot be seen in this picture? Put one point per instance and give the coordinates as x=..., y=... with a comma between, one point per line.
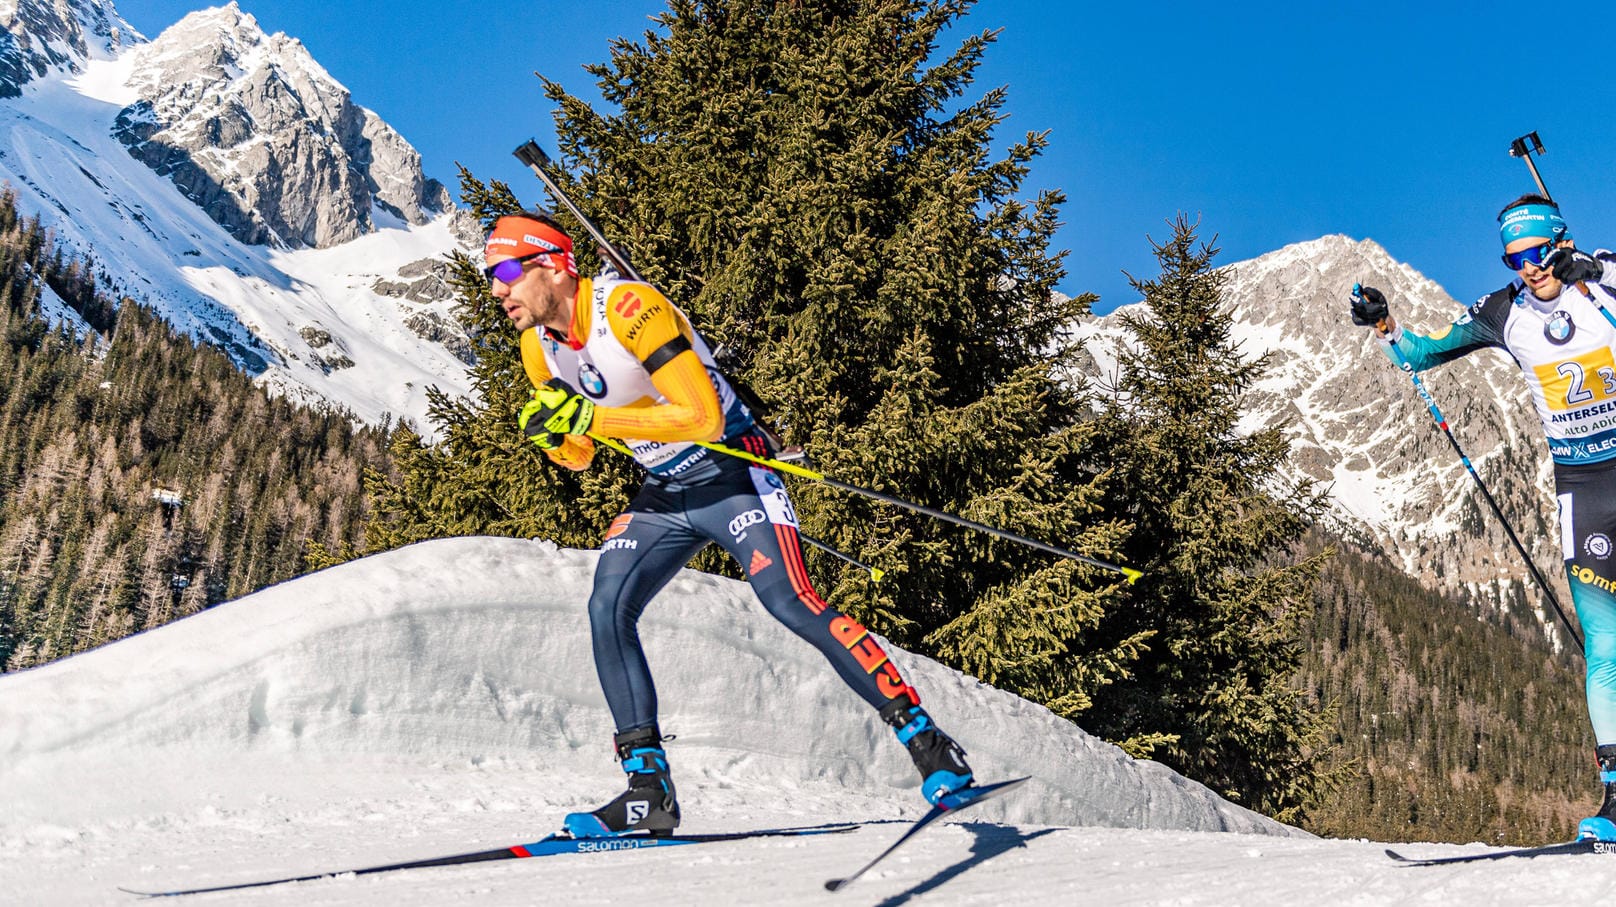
x=940, y=760
x=650, y=803
x=1602, y=825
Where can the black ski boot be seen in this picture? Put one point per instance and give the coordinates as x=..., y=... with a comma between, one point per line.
x=649, y=804
x=1602, y=825
x=940, y=760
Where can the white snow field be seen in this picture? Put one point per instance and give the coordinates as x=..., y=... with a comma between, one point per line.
x=442, y=698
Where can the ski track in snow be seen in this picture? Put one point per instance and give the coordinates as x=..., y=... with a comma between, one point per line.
x=441, y=699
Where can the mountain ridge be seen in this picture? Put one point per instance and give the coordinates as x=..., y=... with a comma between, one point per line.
x=1357, y=425
x=366, y=324
x=39, y=38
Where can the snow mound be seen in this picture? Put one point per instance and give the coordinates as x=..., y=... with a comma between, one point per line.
x=442, y=698
x=476, y=650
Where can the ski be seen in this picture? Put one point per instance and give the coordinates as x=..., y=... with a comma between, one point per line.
x=547, y=847
x=1585, y=845
x=954, y=802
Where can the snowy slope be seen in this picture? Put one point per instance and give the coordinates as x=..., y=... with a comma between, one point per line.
x=307, y=322
x=441, y=698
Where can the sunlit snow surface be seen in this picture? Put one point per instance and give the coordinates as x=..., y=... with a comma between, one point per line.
x=441, y=698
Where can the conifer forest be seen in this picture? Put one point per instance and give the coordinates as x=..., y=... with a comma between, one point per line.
x=144, y=477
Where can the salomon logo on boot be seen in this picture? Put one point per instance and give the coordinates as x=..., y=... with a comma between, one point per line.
x=650, y=804
x=940, y=761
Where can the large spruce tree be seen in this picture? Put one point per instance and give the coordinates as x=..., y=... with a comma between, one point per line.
x=1217, y=518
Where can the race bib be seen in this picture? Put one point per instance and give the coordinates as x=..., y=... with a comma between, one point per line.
x=1579, y=381
x=776, y=503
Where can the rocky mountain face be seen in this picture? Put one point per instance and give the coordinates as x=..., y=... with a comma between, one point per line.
x=38, y=37
x=1358, y=426
x=264, y=140
x=221, y=176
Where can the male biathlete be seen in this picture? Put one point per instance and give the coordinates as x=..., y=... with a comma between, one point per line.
x=615, y=359
x=1557, y=320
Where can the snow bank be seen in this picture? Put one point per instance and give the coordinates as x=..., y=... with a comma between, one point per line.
x=470, y=650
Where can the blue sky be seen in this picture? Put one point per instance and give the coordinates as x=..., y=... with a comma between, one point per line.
x=1273, y=123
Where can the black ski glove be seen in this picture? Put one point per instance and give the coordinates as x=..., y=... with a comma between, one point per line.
x=1571, y=266
x=1368, y=306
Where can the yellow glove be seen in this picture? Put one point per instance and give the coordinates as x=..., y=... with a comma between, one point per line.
x=555, y=412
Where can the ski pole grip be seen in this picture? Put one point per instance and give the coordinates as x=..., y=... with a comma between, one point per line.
x=531, y=154
x=534, y=157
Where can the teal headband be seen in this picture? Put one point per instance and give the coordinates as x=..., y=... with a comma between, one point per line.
x=1541, y=221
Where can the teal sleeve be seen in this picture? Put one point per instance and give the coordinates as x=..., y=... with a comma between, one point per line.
x=1482, y=326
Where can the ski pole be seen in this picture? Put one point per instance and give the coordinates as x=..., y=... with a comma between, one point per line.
x=875, y=573
x=1442, y=423
x=813, y=475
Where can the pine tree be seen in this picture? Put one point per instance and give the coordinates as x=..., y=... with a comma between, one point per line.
x=1450, y=728
x=1215, y=521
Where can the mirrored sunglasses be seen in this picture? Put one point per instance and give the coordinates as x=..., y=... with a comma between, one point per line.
x=510, y=270
x=1537, y=255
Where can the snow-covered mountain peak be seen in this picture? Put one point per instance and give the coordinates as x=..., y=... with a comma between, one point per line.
x=276, y=218
x=210, y=43
x=224, y=45
x=256, y=132
x=227, y=20
x=1323, y=271
x=41, y=37
x=1359, y=428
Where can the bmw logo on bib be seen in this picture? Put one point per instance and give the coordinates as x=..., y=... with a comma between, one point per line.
x=594, y=384
x=1559, y=328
